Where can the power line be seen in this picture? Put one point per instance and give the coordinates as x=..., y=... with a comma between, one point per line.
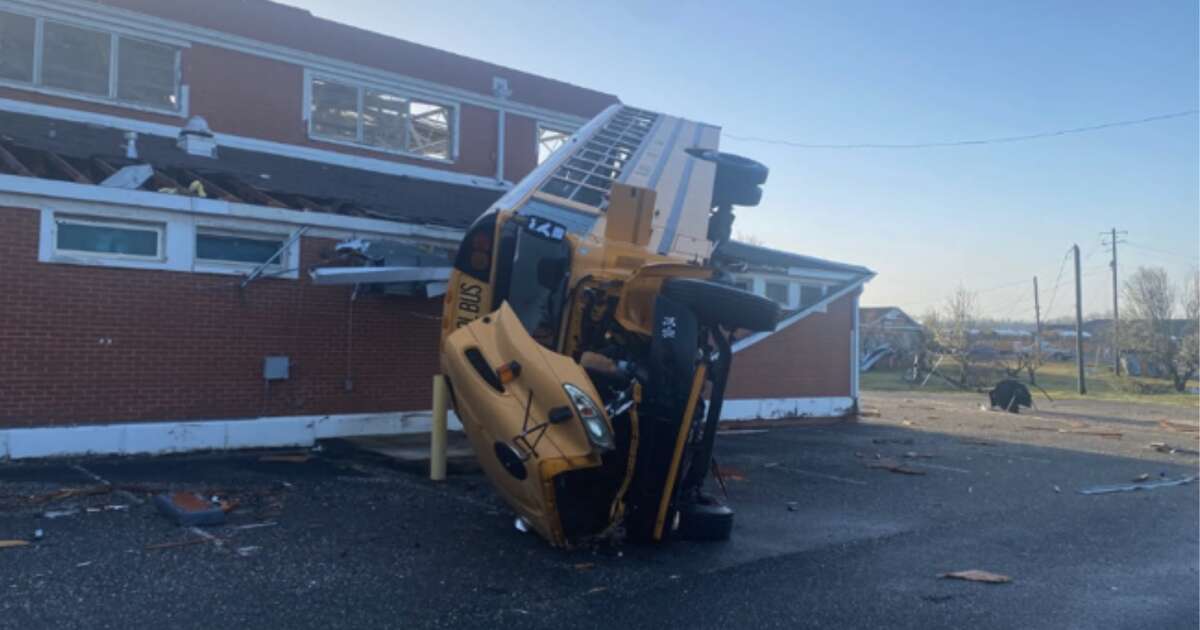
x=1164, y=252
x=1057, y=280
x=962, y=143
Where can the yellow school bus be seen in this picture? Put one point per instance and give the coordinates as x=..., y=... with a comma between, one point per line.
x=586, y=333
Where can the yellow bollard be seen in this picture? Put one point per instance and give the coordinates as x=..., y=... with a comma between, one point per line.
x=437, y=433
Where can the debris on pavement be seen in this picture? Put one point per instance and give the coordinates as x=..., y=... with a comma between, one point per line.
x=585, y=566
x=4, y=544
x=916, y=455
x=904, y=441
x=256, y=525
x=247, y=551
x=184, y=543
x=976, y=575
x=1178, y=427
x=792, y=506
x=894, y=466
x=1142, y=477
x=1163, y=447
x=1057, y=489
x=1149, y=485
x=39, y=534
x=53, y=514
x=189, y=509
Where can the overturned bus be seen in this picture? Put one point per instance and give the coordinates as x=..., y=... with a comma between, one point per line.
x=586, y=334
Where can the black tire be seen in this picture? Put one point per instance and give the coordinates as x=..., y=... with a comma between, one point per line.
x=722, y=304
x=707, y=520
x=738, y=178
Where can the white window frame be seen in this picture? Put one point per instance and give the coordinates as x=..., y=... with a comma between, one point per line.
x=213, y=265
x=361, y=86
x=177, y=244
x=181, y=90
x=537, y=137
x=99, y=221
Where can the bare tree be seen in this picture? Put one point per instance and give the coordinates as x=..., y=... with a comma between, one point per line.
x=750, y=239
x=1167, y=343
x=951, y=330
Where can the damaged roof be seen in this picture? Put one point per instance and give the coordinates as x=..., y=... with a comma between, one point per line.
x=48, y=148
x=767, y=258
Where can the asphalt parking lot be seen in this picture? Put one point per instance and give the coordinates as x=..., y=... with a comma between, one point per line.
x=846, y=525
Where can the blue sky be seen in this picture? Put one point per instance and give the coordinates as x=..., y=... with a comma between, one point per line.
x=897, y=72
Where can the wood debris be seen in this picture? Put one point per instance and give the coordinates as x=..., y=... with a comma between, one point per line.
x=976, y=575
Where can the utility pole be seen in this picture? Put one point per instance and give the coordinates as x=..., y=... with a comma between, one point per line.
x=1079, y=321
x=1116, y=325
x=1037, y=318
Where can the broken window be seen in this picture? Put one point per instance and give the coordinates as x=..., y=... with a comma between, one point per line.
x=228, y=247
x=146, y=73
x=88, y=61
x=334, y=110
x=75, y=59
x=429, y=130
x=17, y=35
x=381, y=119
x=97, y=236
x=549, y=140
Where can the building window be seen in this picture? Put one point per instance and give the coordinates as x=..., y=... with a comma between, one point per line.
x=17, y=36
x=549, y=140
x=778, y=291
x=247, y=249
x=810, y=294
x=88, y=62
x=380, y=119
x=117, y=239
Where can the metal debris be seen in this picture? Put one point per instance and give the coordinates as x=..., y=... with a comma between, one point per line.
x=1150, y=485
x=1163, y=447
x=5, y=544
x=976, y=575
x=894, y=466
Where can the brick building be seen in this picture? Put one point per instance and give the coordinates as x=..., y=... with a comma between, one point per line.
x=182, y=185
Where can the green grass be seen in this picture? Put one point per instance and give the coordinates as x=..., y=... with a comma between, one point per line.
x=1058, y=379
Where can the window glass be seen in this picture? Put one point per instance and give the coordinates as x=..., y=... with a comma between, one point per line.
x=539, y=285
x=810, y=295
x=146, y=73
x=429, y=129
x=383, y=119
x=238, y=249
x=334, y=110
x=101, y=238
x=75, y=58
x=549, y=140
x=16, y=47
x=778, y=291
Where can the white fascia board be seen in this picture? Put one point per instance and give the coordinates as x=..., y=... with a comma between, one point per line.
x=244, y=143
x=820, y=306
x=122, y=20
x=378, y=275
x=29, y=192
x=786, y=408
x=155, y=438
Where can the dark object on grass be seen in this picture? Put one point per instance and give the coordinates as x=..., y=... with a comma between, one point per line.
x=1010, y=396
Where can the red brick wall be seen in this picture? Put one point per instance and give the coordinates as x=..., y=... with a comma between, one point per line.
x=191, y=346
x=248, y=95
x=810, y=358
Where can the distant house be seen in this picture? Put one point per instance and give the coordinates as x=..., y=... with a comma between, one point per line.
x=891, y=326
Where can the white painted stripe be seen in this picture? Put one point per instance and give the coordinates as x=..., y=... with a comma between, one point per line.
x=279, y=431
x=784, y=408
x=176, y=437
x=310, y=154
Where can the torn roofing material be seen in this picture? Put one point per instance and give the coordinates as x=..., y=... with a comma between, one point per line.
x=81, y=153
x=765, y=257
